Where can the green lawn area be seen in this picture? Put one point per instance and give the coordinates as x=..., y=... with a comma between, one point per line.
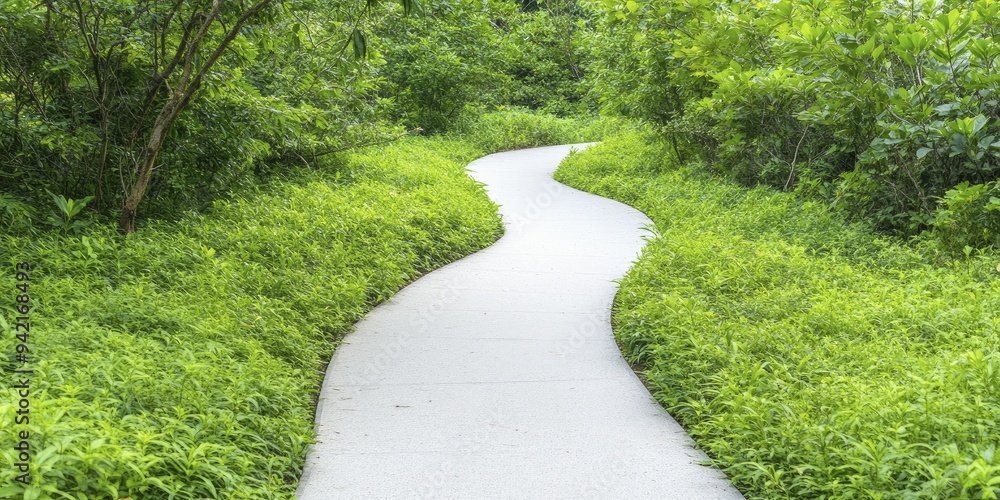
x=809, y=357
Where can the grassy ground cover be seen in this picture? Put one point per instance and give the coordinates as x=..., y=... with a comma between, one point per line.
x=183, y=361
x=809, y=357
x=515, y=128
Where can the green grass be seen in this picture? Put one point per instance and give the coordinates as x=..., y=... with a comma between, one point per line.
x=809, y=357
x=516, y=128
x=184, y=361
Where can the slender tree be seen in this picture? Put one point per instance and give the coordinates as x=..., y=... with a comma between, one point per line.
x=190, y=66
x=94, y=88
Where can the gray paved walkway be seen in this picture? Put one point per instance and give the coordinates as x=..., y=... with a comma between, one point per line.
x=497, y=376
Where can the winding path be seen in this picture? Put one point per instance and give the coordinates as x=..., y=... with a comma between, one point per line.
x=497, y=376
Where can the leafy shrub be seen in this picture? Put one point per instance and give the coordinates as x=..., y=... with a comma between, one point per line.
x=439, y=64
x=80, y=102
x=541, y=54
x=462, y=58
x=808, y=357
x=898, y=95
x=68, y=211
x=968, y=217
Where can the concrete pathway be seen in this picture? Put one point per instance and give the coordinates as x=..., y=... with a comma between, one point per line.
x=497, y=376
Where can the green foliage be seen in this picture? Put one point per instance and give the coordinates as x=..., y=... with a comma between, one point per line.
x=809, y=357
x=183, y=361
x=440, y=64
x=84, y=87
x=15, y=215
x=97, y=99
x=542, y=57
x=879, y=106
x=968, y=217
x=518, y=128
x=66, y=220
x=461, y=58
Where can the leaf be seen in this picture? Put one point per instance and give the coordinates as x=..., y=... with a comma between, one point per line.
x=978, y=123
x=60, y=201
x=359, y=43
x=866, y=49
x=922, y=152
x=411, y=6
x=32, y=493
x=947, y=108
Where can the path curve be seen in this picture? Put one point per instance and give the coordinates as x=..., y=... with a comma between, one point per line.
x=497, y=376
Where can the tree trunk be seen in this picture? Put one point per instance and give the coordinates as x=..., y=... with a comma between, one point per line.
x=127, y=222
x=144, y=169
x=101, y=162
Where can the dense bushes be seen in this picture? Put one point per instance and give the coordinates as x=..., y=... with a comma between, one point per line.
x=877, y=106
x=96, y=96
x=440, y=63
x=809, y=357
x=459, y=59
x=543, y=58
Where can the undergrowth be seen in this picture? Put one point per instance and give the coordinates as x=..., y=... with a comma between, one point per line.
x=515, y=128
x=808, y=357
x=183, y=361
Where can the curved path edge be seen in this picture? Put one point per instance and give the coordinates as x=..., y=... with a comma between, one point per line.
x=497, y=376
